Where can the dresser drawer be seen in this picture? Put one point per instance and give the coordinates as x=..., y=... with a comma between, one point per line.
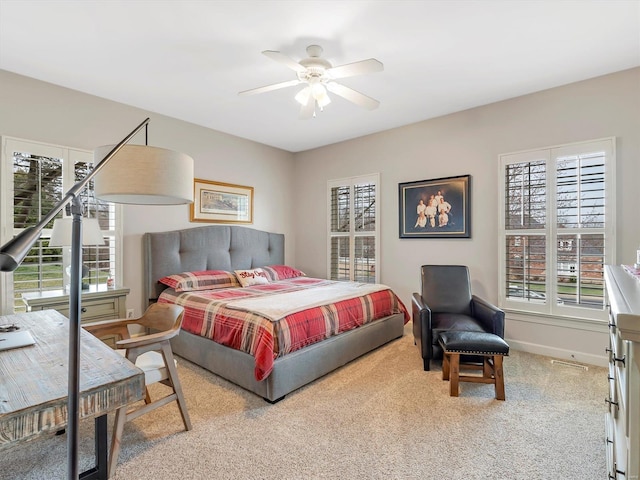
x=609, y=445
x=612, y=398
x=620, y=451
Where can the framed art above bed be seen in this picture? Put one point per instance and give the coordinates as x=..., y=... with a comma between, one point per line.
x=217, y=202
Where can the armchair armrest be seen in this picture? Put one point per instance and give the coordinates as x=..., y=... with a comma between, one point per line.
x=153, y=339
x=109, y=327
x=419, y=305
x=491, y=316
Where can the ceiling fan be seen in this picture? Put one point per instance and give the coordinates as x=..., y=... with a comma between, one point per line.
x=318, y=76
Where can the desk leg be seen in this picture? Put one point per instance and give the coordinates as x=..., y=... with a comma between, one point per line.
x=99, y=472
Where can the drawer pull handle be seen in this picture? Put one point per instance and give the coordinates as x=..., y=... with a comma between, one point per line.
x=621, y=360
x=610, y=402
x=83, y=310
x=609, y=377
x=608, y=440
x=615, y=467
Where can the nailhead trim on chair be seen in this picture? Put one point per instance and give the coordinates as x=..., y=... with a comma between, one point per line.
x=474, y=352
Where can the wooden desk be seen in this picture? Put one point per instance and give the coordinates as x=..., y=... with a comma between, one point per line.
x=34, y=379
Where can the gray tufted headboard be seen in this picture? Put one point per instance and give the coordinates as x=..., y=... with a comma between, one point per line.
x=215, y=247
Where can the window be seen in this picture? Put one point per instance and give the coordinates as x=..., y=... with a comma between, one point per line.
x=557, y=228
x=35, y=176
x=353, y=234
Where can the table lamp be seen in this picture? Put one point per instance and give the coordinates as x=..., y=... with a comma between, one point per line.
x=135, y=174
x=61, y=237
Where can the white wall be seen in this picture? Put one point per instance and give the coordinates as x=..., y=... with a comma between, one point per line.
x=39, y=111
x=469, y=142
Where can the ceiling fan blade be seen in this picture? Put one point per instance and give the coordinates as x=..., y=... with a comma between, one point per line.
x=353, y=96
x=308, y=109
x=282, y=58
x=357, y=68
x=269, y=88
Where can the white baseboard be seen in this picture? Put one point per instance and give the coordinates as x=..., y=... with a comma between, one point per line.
x=579, y=357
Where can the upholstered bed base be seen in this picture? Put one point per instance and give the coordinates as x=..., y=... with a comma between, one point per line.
x=291, y=371
x=230, y=248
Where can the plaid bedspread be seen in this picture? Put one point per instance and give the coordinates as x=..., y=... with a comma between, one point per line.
x=206, y=315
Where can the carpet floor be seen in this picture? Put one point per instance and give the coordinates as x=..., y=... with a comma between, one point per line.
x=379, y=417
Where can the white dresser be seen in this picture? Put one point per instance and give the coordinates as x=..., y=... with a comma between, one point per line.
x=623, y=401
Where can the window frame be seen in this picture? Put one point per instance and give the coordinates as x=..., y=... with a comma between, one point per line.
x=351, y=182
x=69, y=156
x=551, y=232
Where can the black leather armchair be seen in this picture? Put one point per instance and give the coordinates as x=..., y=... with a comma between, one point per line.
x=446, y=303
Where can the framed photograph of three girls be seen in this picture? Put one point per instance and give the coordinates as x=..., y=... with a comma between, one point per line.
x=437, y=208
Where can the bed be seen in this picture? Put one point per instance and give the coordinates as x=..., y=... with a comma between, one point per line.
x=228, y=248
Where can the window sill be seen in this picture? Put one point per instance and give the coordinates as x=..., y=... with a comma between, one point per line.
x=589, y=324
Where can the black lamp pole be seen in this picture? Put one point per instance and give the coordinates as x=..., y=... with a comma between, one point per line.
x=13, y=253
x=73, y=417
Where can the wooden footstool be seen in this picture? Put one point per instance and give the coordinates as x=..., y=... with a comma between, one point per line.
x=487, y=345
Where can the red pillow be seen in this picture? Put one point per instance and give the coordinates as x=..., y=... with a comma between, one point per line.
x=282, y=272
x=201, y=280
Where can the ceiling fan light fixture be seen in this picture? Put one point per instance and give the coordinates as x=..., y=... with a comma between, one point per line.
x=323, y=100
x=319, y=94
x=302, y=97
x=317, y=75
x=317, y=90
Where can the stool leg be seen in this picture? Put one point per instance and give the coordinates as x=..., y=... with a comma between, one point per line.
x=445, y=366
x=487, y=370
x=497, y=368
x=454, y=374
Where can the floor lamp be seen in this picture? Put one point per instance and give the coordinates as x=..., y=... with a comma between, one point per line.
x=136, y=174
x=61, y=236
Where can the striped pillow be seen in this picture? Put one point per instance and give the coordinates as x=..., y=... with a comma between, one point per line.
x=202, y=280
x=282, y=272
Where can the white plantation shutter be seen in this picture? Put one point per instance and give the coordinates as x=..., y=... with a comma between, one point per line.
x=557, y=228
x=100, y=259
x=35, y=176
x=353, y=235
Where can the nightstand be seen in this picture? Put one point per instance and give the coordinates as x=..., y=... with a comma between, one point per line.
x=98, y=303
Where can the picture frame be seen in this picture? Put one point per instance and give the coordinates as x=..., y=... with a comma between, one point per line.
x=217, y=202
x=420, y=217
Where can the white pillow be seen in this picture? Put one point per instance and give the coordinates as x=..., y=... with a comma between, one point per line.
x=256, y=276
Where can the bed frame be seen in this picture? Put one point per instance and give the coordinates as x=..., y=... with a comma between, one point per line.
x=222, y=247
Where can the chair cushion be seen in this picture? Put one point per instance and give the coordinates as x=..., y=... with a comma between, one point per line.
x=442, y=322
x=479, y=343
x=152, y=364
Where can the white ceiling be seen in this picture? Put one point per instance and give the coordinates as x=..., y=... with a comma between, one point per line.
x=189, y=59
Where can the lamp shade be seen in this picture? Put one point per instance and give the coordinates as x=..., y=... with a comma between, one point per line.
x=62, y=228
x=144, y=175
